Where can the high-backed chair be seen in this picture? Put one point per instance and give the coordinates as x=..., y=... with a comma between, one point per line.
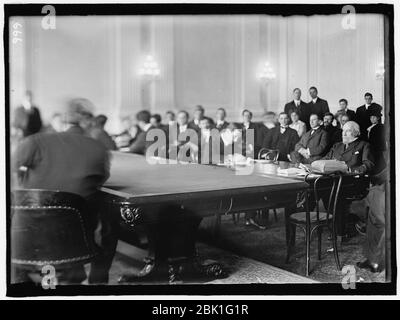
x=50, y=228
x=310, y=221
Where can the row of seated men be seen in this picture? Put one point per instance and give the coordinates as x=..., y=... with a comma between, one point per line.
x=288, y=135
x=82, y=166
x=269, y=134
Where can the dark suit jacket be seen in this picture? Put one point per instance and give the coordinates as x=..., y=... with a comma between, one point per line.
x=377, y=138
x=140, y=144
x=363, y=115
x=334, y=135
x=358, y=155
x=29, y=122
x=262, y=132
x=350, y=113
x=76, y=129
x=222, y=126
x=320, y=107
x=317, y=143
x=194, y=126
x=62, y=161
x=285, y=142
x=102, y=136
x=303, y=109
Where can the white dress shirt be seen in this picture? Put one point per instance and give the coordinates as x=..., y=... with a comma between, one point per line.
x=220, y=122
x=182, y=128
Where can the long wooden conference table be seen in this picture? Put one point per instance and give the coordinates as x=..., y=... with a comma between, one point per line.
x=173, y=198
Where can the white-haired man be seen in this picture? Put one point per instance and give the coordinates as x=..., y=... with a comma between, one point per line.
x=358, y=157
x=355, y=152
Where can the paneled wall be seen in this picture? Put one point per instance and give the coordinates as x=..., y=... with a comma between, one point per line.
x=207, y=60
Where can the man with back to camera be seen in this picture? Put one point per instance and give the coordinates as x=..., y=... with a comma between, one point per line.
x=81, y=166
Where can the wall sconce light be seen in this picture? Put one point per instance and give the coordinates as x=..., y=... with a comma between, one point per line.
x=380, y=71
x=150, y=68
x=267, y=73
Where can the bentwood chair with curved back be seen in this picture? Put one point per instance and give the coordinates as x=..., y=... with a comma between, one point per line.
x=310, y=221
x=50, y=228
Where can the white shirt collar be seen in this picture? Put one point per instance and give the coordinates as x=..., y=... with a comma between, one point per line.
x=315, y=129
x=315, y=100
x=367, y=106
x=269, y=125
x=206, y=133
x=146, y=127
x=220, y=122
x=247, y=125
x=296, y=102
x=196, y=122
x=182, y=128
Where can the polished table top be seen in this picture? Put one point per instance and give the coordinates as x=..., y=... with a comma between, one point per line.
x=131, y=176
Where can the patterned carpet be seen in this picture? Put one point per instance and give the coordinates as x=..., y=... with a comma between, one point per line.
x=241, y=270
x=269, y=246
x=258, y=256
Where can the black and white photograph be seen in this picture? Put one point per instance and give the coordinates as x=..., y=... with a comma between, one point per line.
x=199, y=149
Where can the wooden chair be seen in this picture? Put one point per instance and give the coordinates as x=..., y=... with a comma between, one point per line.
x=50, y=228
x=316, y=220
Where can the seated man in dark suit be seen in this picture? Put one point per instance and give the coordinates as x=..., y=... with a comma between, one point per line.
x=334, y=133
x=68, y=162
x=182, y=139
x=357, y=155
x=209, y=143
x=250, y=133
x=268, y=122
x=317, y=105
x=312, y=145
x=197, y=116
x=170, y=118
x=343, y=104
x=98, y=133
x=140, y=144
x=282, y=138
x=363, y=114
x=221, y=123
x=355, y=152
x=298, y=105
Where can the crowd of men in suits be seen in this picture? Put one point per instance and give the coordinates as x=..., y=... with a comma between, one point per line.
x=302, y=132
